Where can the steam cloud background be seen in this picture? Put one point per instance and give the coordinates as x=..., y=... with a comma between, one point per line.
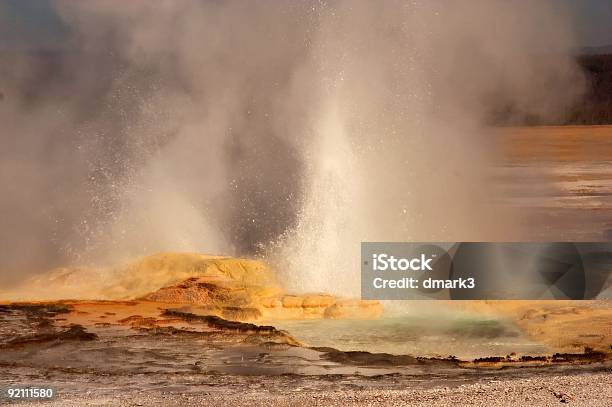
x=294, y=130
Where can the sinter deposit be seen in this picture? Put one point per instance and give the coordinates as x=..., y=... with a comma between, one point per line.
x=233, y=288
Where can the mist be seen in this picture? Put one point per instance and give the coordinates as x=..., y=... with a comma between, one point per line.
x=287, y=130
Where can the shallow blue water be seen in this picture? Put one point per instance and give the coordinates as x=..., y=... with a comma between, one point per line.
x=465, y=337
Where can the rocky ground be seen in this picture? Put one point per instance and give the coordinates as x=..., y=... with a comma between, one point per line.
x=200, y=330
x=578, y=388
x=141, y=353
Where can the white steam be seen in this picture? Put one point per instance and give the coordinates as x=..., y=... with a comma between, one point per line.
x=291, y=129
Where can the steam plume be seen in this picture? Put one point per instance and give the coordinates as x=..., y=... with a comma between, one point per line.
x=293, y=130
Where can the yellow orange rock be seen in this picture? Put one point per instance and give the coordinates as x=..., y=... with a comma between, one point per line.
x=318, y=301
x=271, y=302
x=231, y=288
x=292, y=301
x=144, y=276
x=354, y=309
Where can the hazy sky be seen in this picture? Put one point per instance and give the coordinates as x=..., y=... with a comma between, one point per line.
x=593, y=19
x=33, y=23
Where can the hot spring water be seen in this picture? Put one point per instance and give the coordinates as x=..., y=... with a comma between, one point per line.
x=461, y=335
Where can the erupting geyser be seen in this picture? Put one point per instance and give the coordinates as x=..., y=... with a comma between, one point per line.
x=295, y=135
x=186, y=185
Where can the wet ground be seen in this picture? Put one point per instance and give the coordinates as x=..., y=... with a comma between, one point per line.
x=139, y=353
x=153, y=339
x=561, y=176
